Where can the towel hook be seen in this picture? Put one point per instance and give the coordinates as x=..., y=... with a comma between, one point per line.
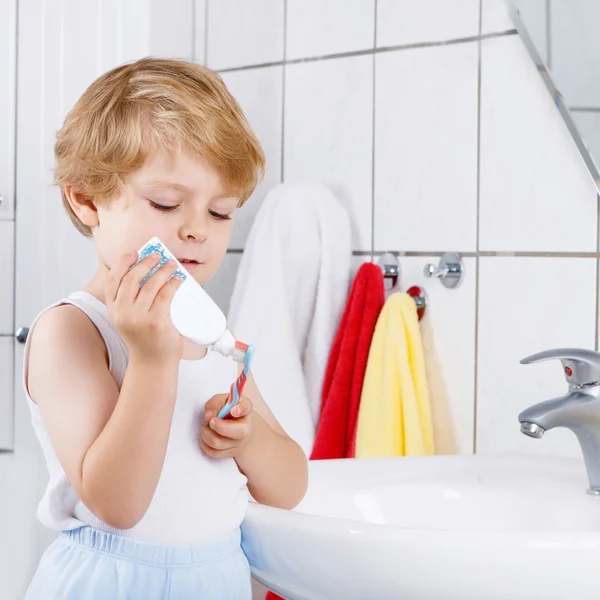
x=449, y=270
x=391, y=271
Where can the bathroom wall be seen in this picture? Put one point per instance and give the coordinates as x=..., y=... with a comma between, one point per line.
x=567, y=31
x=565, y=35
x=433, y=128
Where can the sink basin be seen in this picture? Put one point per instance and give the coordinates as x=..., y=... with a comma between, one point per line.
x=433, y=528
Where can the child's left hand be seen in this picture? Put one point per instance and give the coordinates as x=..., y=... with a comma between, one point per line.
x=224, y=438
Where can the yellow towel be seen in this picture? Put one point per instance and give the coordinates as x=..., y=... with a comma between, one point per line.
x=394, y=417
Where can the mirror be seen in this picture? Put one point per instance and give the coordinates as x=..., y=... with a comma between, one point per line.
x=561, y=37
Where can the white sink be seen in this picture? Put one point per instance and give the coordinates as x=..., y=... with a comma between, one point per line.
x=447, y=527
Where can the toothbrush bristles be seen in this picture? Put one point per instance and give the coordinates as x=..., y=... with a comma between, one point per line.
x=241, y=346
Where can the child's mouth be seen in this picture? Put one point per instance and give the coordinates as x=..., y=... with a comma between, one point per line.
x=188, y=263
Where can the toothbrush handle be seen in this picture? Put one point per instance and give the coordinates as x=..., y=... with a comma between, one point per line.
x=235, y=393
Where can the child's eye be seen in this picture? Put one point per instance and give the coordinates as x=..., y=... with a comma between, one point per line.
x=162, y=206
x=217, y=215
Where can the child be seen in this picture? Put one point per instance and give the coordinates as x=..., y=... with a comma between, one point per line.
x=148, y=487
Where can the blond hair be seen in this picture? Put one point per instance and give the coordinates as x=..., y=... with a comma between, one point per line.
x=144, y=106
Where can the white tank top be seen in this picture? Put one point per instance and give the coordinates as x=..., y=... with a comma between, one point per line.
x=198, y=498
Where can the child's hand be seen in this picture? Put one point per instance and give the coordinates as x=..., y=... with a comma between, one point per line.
x=142, y=315
x=224, y=438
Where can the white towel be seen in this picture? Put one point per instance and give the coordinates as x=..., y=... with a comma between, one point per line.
x=288, y=299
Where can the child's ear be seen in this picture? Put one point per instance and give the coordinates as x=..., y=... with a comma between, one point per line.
x=83, y=207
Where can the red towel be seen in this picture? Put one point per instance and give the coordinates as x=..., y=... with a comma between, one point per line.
x=342, y=386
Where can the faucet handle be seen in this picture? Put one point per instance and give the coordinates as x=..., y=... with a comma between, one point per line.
x=581, y=367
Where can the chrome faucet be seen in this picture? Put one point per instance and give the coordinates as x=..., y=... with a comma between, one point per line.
x=578, y=410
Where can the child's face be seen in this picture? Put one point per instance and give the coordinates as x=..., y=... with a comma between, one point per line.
x=179, y=199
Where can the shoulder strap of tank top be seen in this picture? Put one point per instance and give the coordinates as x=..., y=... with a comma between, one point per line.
x=97, y=313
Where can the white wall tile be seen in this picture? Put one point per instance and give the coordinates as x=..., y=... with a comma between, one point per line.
x=172, y=28
x=426, y=149
x=535, y=19
x=7, y=267
x=125, y=17
x=575, y=42
x=328, y=133
x=357, y=262
x=260, y=94
x=588, y=126
x=448, y=333
x=200, y=31
x=321, y=27
x=532, y=176
x=527, y=305
x=220, y=287
x=495, y=17
x=402, y=22
x=242, y=33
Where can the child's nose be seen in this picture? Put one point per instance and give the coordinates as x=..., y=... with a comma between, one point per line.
x=196, y=227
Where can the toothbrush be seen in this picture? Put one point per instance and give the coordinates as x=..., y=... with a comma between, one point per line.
x=237, y=387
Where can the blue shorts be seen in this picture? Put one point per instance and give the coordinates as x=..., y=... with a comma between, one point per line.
x=89, y=564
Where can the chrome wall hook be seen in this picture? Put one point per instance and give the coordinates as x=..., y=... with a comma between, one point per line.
x=391, y=275
x=391, y=270
x=449, y=270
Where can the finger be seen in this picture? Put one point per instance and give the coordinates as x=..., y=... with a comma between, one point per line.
x=164, y=297
x=116, y=274
x=150, y=289
x=214, y=405
x=130, y=282
x=242, y=409
x=217, y=453
x=233, y=429
x=215, y=440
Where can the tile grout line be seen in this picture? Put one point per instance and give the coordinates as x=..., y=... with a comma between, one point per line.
x=373, y=100
x=481, y=254
x=381, y=50
x=591, y=109
x=477, y=221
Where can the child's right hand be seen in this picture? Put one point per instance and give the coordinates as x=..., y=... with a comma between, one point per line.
x=142, y=315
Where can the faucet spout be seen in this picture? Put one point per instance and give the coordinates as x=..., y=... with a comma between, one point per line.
x=556, y=412
x=579, y=411
x=532, y=430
